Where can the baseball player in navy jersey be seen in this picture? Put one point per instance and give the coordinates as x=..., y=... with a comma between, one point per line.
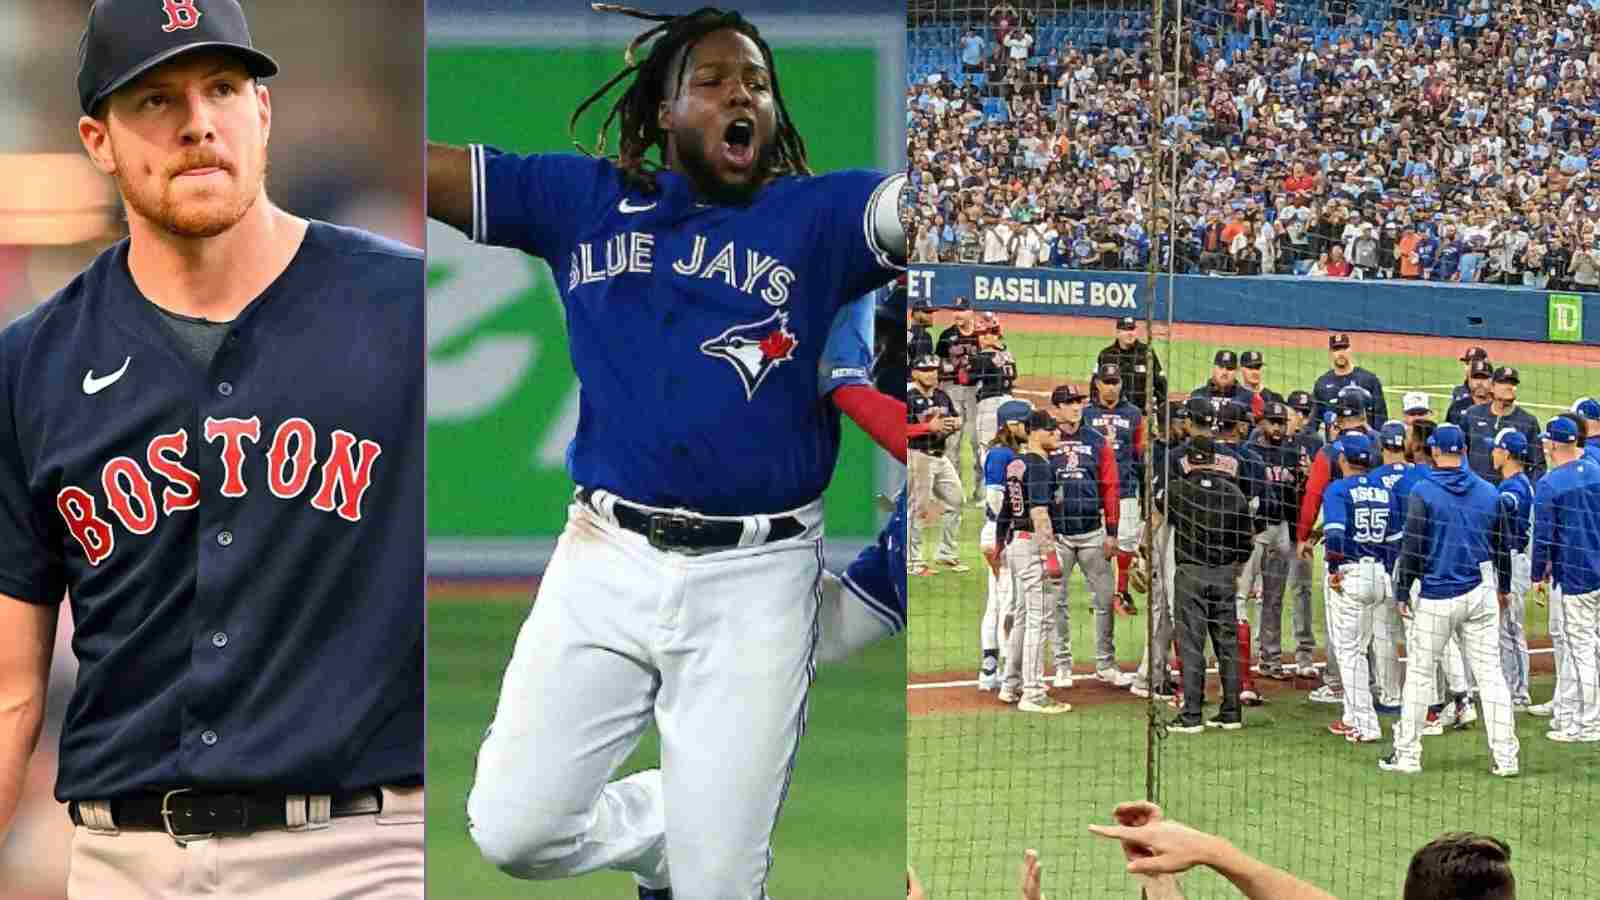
x=1004, y=445
x=1251, y=363
x=994, y=371
x=241, y=543
x=1342, y=374
x=1454, y=528
x=1355, y=515
x=1464, y=389
x=1566, y=569
x=1483, y=422
x=1480, y=381
x=1274, y=548
x=1123, y=425
x=1025, y=529
x=1516, y=495
x=1085, y=529
x=919, y=341
x=932, y=473
x=956, y=348
x=1223, y=385
x=698, y=289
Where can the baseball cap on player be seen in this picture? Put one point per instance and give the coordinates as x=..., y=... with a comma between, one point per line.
x=1473, y=353
x=127, y=38
x=1416, y=402
x=1108, y=373
x=1067, y=393
x=1339, y=341
x=1013, y=411
x=1126, y=323
x=1560, y=431
x=1177, y=411
x=922, y=305
x=926, y=361
x=1512, y=441
x=1251, y=359
x=1586, y=408
x=1480, y=368
x=1273, y=411
x=1226, y=359
x=1448, y=439
x=1039, y=420
x=1299, y=401
x=1233, y=414
x=1201, y=451
x=1201, y=412
x=1506, y=375
x=986, y=323
x=1357, y=448
x=1349, y=406
x=961, y=303
x=1393, y=435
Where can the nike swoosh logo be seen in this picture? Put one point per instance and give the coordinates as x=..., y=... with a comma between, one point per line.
x=628, y=207
x=93, y=385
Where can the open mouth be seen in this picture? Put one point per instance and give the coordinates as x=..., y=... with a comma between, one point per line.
x=738, y=143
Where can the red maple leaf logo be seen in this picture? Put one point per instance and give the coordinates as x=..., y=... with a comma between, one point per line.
x=777, y=346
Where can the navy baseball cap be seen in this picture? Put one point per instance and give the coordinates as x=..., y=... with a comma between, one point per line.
x=1201, y=412
x=1480, y=368
x=1039, y=420
x=127, y=38
x=1587, y=408
x=1251, y=359
x=1473, y=353
x=1067, y=393
x=1448, y=439
x=1126, y=323
x=1357, y=448
x=1506, y=375
x=1513, y=442
x=1108, y=373
x=1349, y=406
x=922, y=306
x=1177, y=411
x=1560, y=431
x=1013, y=411
x=1299, y=401
x=1233, y=414
x=1201, y=450
x=1393, y=435
x=1273, y=411
x=926, y=361
x=961, y=303
x=1340, y=341
x=1226, y=359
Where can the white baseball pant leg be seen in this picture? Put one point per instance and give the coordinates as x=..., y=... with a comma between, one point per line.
x=988, y=422
x=1387, y=632
x=1025, y=650
x=1513, y=630
x=1565, y=703
x=1474, y=619
x=998, y=599
x=1130, y=525
x=1365, y=586
x=1583, y=641
x=651, y=634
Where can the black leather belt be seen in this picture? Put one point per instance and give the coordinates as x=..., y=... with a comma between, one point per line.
x=937, y=452
x=183, y=813
x=687, y=532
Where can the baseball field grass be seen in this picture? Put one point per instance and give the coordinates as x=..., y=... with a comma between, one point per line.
x=986, y=782
x=842, y=830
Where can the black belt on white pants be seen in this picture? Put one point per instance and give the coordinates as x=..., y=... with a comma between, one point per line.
x=687, y=532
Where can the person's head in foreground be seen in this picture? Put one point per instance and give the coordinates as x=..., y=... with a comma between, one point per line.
x=1461, y=866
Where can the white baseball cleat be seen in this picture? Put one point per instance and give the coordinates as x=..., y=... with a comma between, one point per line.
x=1510, y=770
x=1139, y=690
x=1063, y=679
x=1045, y=706
x=1115, y=677
x=1178, y=727
x=1250, y=698
x=1007, y=695
x=1449, y=716
x=1325, y=694
x=989, y=681
x=1224, y=724
x=1542, y=710
x=1574, y=736
x=1392, y=763
x=1466, y=714
x=1307, y=671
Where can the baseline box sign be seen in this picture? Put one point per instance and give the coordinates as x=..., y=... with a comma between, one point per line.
x=1030, y=290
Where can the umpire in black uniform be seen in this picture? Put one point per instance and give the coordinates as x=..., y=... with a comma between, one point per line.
x=1211, y=539
x=1137, y=362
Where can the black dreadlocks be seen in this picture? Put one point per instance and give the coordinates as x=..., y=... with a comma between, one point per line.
x=638, y=105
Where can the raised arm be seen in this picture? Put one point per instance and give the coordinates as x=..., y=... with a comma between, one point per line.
x=25, y=652
x=450, y=186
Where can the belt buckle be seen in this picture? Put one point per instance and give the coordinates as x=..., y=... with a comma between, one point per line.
x=182, y=840
x=665, y=527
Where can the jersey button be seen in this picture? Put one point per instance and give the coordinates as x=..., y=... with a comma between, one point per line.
x=224, y=538
x=208, y=737
x=225, y=388
x=219, y=640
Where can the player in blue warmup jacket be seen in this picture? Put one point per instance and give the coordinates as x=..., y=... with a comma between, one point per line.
x=1454, y=528
x=1588, y=410
x=1355, y=513
x=1566, y=568
x=699, y=269
x=1516, y=495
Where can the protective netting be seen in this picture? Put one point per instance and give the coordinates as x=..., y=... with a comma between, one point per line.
x=1465, y=128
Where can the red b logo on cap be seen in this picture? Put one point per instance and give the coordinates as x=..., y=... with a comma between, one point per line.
x=181, y=15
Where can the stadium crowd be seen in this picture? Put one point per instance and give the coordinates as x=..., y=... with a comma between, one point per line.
x=1448, y=141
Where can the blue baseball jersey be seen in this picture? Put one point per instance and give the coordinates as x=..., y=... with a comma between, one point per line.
x=1355, y=520
x=1123, y=426
x=1086, y=483
x=995, y=463
x=1566, y=527
x=695, y=329
x=1591, y=448
x=878, y=574
x=847, y=353
x=1516, y=497
x=242, y=541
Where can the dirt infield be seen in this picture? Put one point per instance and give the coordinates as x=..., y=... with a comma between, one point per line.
x=1512, y=352
x=1088, y=691
x=476, y=590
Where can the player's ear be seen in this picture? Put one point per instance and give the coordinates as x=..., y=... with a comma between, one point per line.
x=664, y=116
x=264, y=106
x=96, y=137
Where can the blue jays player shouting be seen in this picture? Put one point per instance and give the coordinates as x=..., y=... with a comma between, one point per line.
x=211, y=441
x=698, y=292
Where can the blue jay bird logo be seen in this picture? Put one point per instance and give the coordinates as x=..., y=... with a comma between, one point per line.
x=755, y=349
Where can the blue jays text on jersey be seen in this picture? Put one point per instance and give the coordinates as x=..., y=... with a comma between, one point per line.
x=241, y=540
x=699, y=325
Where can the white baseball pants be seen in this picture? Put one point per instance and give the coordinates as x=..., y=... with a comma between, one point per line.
x=933, y=476
x=1031, y=613
x=1581, y=621
x=717, y=649
x=1352, y=612
x=1513, y=631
